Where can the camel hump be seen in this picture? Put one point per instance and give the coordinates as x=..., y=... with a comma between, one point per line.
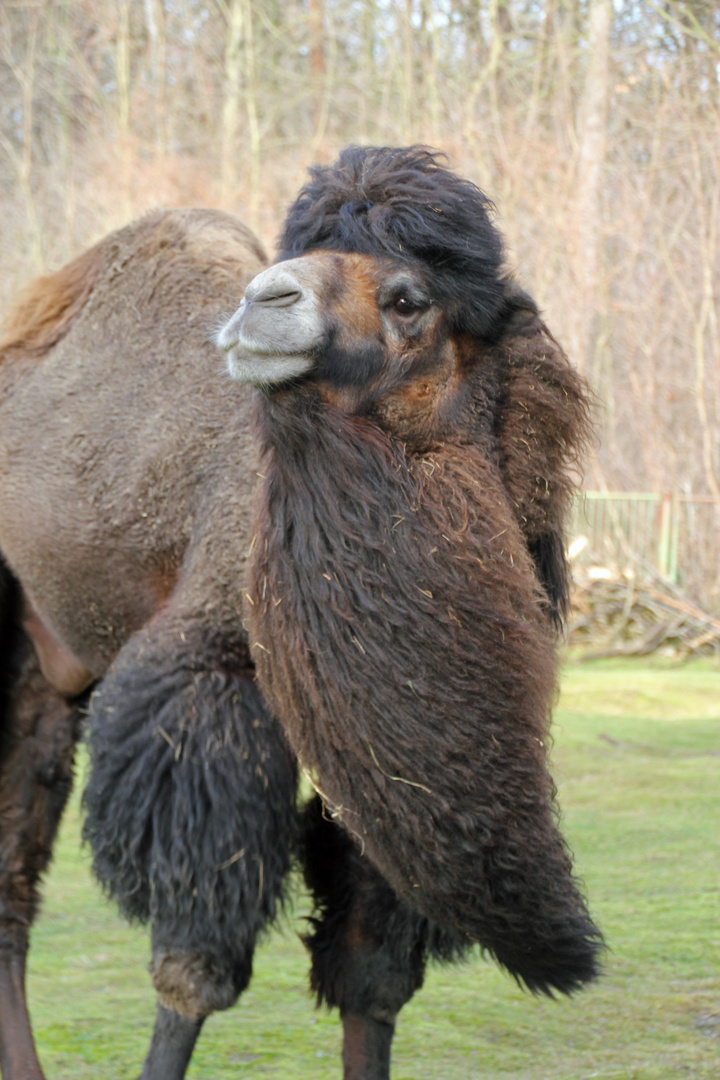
x=215, y=229
x=49, y=305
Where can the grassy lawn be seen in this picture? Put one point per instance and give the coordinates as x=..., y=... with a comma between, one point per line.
x=637, y=762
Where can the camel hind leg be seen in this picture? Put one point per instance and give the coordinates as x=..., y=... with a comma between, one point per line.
x=368, y=948
x=38, y=735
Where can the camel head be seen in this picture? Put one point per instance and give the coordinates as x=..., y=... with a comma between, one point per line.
x=392, y=309
x=373, y=337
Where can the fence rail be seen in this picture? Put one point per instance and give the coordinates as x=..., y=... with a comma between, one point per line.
x=678, y=536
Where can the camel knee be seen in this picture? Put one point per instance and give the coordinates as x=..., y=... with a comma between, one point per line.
x=194, y=985
x=357, y=967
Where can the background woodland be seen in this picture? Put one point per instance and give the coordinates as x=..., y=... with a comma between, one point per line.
x=595, y=128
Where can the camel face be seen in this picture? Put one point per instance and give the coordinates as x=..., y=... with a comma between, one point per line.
x=366, y=331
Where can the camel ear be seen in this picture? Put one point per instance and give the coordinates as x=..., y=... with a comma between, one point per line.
x=519, y=315
x=543, y=430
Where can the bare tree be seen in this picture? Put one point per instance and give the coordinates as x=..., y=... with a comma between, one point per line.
x=21, y=62
x=592, y=146
x=155, y=21
x=594, y=126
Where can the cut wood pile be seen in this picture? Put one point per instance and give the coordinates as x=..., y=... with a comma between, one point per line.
x=621, y=614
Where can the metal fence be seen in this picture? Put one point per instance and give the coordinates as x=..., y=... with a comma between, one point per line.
x=677, y=536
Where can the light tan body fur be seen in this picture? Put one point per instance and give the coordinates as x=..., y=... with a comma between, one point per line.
x=126, y=419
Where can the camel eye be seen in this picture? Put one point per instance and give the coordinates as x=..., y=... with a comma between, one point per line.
x=403, y=306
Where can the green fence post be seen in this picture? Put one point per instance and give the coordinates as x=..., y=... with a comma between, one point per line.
x=674, y=540
x=664, y=541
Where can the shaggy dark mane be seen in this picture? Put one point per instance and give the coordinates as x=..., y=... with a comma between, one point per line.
x=403, y=202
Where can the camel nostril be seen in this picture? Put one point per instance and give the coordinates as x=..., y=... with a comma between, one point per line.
x=278, y=299
x=274, y=289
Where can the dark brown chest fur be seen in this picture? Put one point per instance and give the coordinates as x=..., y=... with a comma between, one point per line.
x=397, y=629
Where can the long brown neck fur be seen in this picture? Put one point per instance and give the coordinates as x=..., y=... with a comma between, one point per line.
x=398, y=634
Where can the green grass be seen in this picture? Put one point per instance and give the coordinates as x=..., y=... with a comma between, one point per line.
x=637, y=761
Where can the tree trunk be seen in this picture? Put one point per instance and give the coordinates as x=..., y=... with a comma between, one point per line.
x=592, y=145
x=155, y=22
x=232, y=96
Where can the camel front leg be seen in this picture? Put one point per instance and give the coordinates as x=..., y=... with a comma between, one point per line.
x=190, y=985
x=368, y=947
x=366, y=1047
x=173, y=1042
x=191, y=815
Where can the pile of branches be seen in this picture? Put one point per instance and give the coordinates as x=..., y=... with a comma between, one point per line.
x=622, y=614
